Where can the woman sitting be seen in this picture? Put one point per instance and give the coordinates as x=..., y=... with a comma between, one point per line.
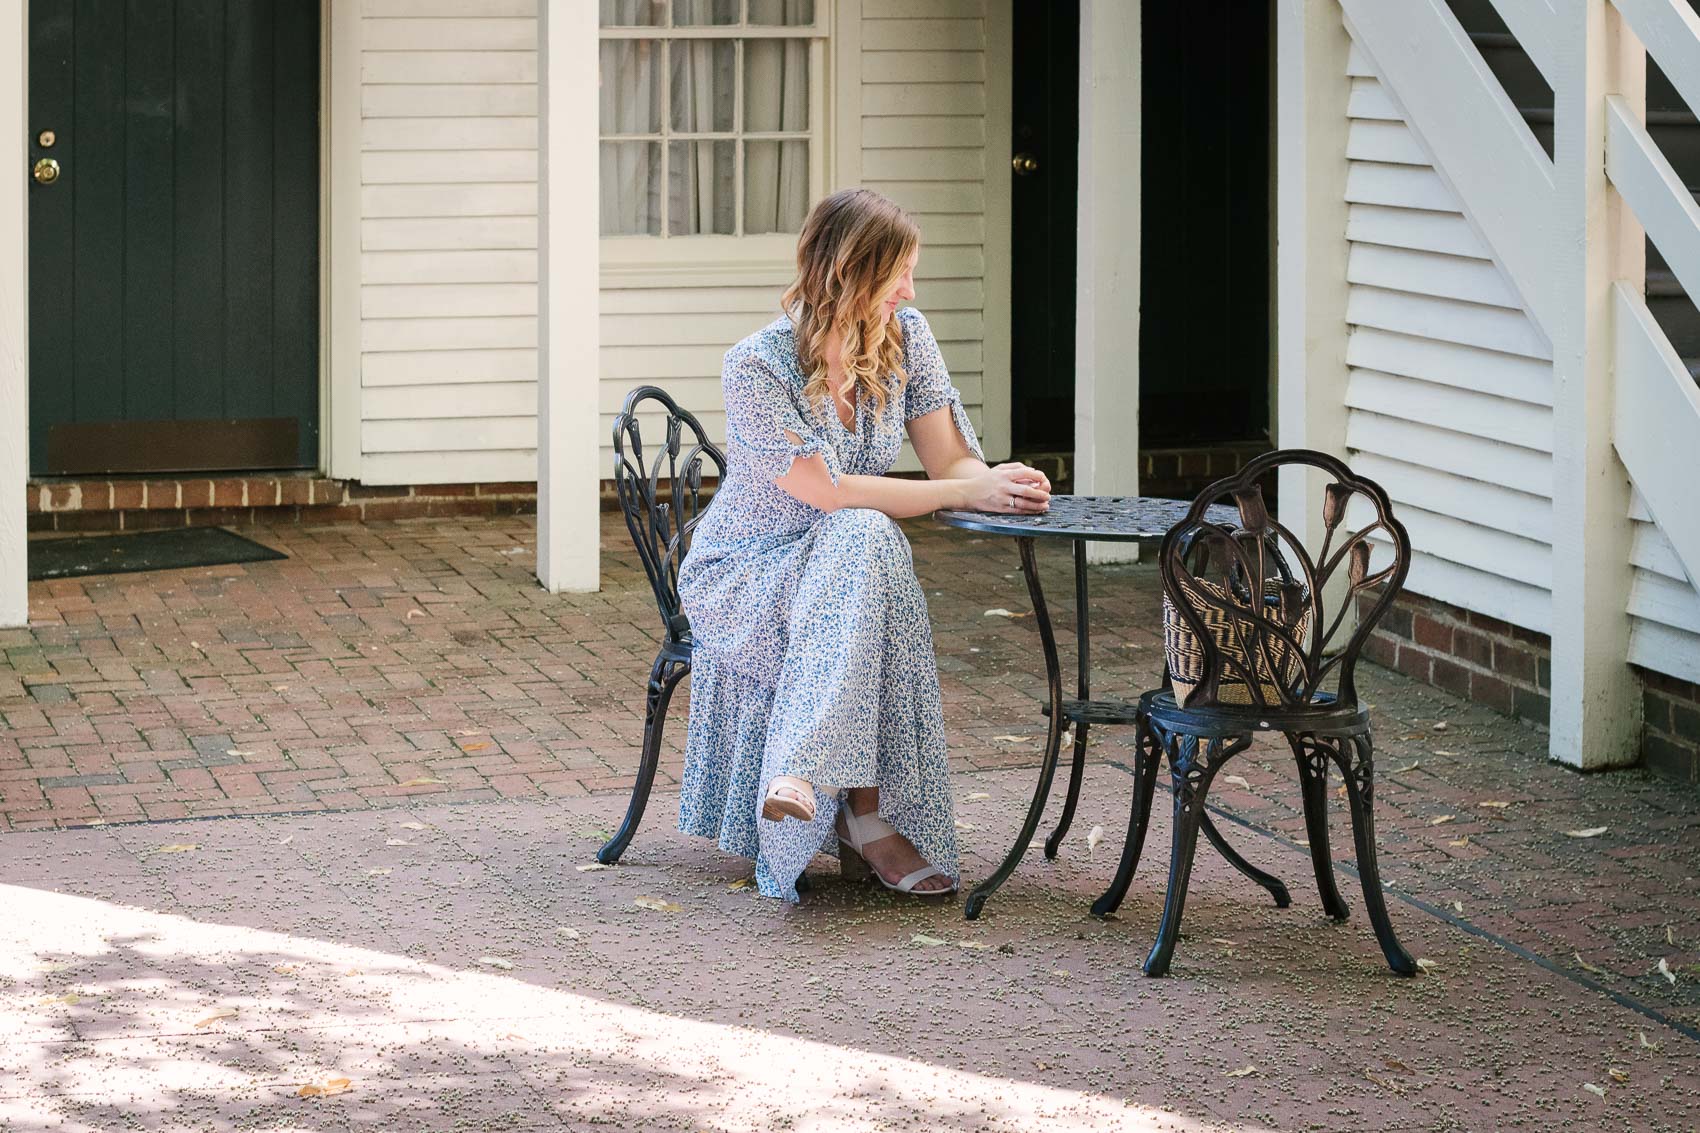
x=814, y=691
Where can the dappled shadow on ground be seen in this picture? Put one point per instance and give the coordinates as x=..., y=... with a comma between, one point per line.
x=462, y=971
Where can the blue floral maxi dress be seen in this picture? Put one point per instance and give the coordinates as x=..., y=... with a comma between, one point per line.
x=813, y=655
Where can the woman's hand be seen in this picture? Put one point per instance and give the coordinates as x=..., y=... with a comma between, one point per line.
x=1012, y=487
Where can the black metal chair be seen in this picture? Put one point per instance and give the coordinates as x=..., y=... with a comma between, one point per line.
x=1250, y=642
x=660, y=515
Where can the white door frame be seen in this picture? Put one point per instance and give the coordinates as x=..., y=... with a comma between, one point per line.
x=14, y=324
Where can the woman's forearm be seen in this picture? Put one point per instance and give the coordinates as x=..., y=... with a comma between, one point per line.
x=898, y=498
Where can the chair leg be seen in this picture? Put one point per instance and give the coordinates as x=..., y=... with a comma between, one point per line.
x=1274, y=885
x=1313, y=783
x=1190, y=778
x=1357, y=763
x=664, y=677
x=1145, y=762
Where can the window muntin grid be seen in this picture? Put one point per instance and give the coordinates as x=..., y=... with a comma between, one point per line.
x=667, y=28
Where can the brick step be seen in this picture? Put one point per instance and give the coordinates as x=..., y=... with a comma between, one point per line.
x=136, y=504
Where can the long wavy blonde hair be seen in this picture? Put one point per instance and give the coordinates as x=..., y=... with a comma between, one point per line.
x=854, y=248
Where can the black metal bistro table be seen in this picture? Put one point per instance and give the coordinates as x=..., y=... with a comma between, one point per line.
x=1080, y=519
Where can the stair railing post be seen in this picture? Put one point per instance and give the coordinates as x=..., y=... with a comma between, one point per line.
x=1596, y=697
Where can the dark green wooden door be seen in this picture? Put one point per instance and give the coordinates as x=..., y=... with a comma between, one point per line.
x=174, y=261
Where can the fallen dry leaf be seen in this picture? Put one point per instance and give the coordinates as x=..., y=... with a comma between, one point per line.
x=1060, y=973
x=591, y=867
x=979, y=795
x=179, y=848
x=496, y=962
x=1223, y=941
x=474, y=747
x=1587, y=967
x=1590, y=832
x=1494, y=804
x=974, y=945
x=658, y=905
x=961, y=825
x=926, y=941
x=1441, y=819
x=1440, y=725
x=1670, y=937
x=1458, y=906
x=1236, y=780
x=377, y=873
x=1645, y=1045
x=1597, y=1091
x=233, y=751
x=284, y=969
x=286, y=839
x=413, y=826
x=1426, y=965
x=743, y=883
x=1010, y=739
x=1664, y=970
x=221, y=1013
x=1445, y=754
x=69, y=999
x=569, y=933
x=999, y=612
x=326, y=1089
x=1093, y=837
x=1245, y=1071
x=423, y=782
x=1395, y=1065
x=1464, y=841
x=1616, y=1074
x=1412, y=766
x=397, y=842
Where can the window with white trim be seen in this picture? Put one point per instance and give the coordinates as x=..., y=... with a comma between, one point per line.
x=711, y=116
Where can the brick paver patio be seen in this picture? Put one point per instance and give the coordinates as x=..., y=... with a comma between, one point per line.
x=385, y=672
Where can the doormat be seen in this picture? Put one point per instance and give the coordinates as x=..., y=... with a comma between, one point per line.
x=172, y=549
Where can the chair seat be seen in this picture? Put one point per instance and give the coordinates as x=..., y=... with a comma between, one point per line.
x=1322, y=715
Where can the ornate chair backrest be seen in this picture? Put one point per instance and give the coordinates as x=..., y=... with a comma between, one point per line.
x=1252, y=603
x=662, y=501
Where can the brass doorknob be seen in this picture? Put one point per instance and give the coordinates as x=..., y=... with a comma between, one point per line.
x=1023, y=164
x=46, y=171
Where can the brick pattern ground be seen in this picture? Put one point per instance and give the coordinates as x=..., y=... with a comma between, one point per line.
x=390, y=662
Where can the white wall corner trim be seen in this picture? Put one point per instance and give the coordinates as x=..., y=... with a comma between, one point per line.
x=568, y=519
x=1312, y=91
x=1106, y=391
x=340, y=391
x=14, y=327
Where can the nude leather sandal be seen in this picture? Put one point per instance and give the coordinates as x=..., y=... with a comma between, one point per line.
x=789, y=797
x=860, y=829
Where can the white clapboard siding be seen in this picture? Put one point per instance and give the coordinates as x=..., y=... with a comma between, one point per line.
x=449, y=229
x=1449, y=393
x=448, y=235
x=1664, y=606
x=924, y=133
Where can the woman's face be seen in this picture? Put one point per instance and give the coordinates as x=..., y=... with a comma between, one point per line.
x=903, y=290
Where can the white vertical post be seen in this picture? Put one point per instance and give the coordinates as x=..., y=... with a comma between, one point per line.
x=14, y=320
x=1311, y=93
x=1106, y=327
x=1596, y=697
x=568, y=523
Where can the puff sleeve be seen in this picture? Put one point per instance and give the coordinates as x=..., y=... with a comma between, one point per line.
x=929, y=386
x=760, y=409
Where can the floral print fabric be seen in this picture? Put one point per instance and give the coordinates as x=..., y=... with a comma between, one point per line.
x=813, y=655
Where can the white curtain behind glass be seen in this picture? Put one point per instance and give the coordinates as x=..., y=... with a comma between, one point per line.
x=776, y=97
x=631, y=171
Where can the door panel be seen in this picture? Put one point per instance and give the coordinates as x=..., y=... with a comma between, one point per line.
x=174, y=263
x=1045, y=142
